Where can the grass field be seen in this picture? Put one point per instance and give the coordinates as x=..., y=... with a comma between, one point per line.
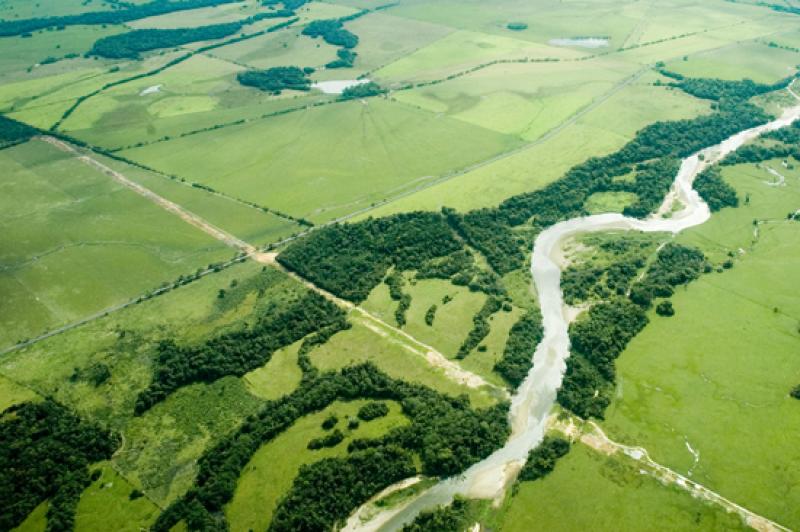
x=590, y=491
x=107, y=503
x=75, y=242
x=716, y=376
x=281, y=162
x=272, y=469
x=601, y=130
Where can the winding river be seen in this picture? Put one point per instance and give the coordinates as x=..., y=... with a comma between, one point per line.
x=535, y=398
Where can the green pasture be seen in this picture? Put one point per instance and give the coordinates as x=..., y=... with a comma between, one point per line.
x=602, y=130
x=278, y=377
x=200, y=17
x=161, y=446
x=591, y=491
x=522, y=99
x=12, y=393
x=75, y=242
x=365, y=342
x=754, y=60
x=717, y=375
x=106, y=505
x=328, y=161
x=270, y=472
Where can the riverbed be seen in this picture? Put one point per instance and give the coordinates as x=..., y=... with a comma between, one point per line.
x=535, y=398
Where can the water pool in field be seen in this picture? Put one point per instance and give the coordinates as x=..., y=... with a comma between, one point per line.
x=337, y=86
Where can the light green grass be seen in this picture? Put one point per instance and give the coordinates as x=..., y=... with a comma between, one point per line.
x=603, y=130
x=106, y=505
x=717, y=375
x=590, y=491
x=75, y=242
x=601, y=202
x=749, y=60
x=12, y=394
x=363, y=344
x=243, y=221
x=162, y=446
x=328, y=161
x=278, y=377
x=270, y=472
x=36, y=520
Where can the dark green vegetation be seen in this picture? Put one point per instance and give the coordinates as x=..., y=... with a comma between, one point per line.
x=518, y=353
x=332, y=31
x=13, y=132
x=311, y=504
x=674, y=265
x=363, y=90
x=665, y=309
x=542, y=460
x=129, y=45
x=599, y=336
x=332, y=439
x=351, y=259
x=714, y=190
x=45, y=454
x=795, y=392
x=129, y=13
x=276, y=79
x=451, y=518
x=373, y=410
x=445, y=433
x=238, y=352
x=721, y=90
x=480, y=326
x=517, y=26
x=345, y=59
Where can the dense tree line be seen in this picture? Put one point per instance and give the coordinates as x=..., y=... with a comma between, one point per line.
x=714, y=190
x=451, y=518
x=344, y=59
x=13, y=132
x=237, y=352
x=332, y=31
x=446, y=433
x=722, y=89
x=130, y=44
x=311, y=504
x=480, y=326
x=522, y=340
x=131, y=12
x=276, y=79
x=674, y=265
x=542, y=460
x=597, y=339
x=45, y=454
x=487, y=231
x=652, y=182
x=349, y=260
x=362, y=90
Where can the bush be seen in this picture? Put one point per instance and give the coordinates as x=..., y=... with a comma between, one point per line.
x=373, y=410
x=665, y=308
x=517, y=26
x=276, y=79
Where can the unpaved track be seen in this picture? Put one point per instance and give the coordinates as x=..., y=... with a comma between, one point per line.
x=594, y=437
x=451, y=370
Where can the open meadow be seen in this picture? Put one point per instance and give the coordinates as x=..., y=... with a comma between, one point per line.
x=264, y=260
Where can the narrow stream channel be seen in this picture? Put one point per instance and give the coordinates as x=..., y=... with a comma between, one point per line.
x=535, y=398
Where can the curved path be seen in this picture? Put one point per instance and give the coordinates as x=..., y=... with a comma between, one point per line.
x=536, y=396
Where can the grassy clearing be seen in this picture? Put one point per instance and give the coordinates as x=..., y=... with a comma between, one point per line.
x=200, y=17
x=278, y=377
x=525, y=100
x=363, y=343
x=589, y=491
x=12, y=394
x=162, y=446
x=753, y=60
x=462, y=50
x=106, y=504
x=602, y=202
x=247, y=223
x=601, y=131
x=373, y=150
x=75, y=242
x=272, y=469
x=716, y=376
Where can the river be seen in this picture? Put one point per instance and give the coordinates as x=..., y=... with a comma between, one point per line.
x=535, y=398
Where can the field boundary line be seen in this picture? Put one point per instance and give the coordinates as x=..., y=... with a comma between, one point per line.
x=598, y=441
